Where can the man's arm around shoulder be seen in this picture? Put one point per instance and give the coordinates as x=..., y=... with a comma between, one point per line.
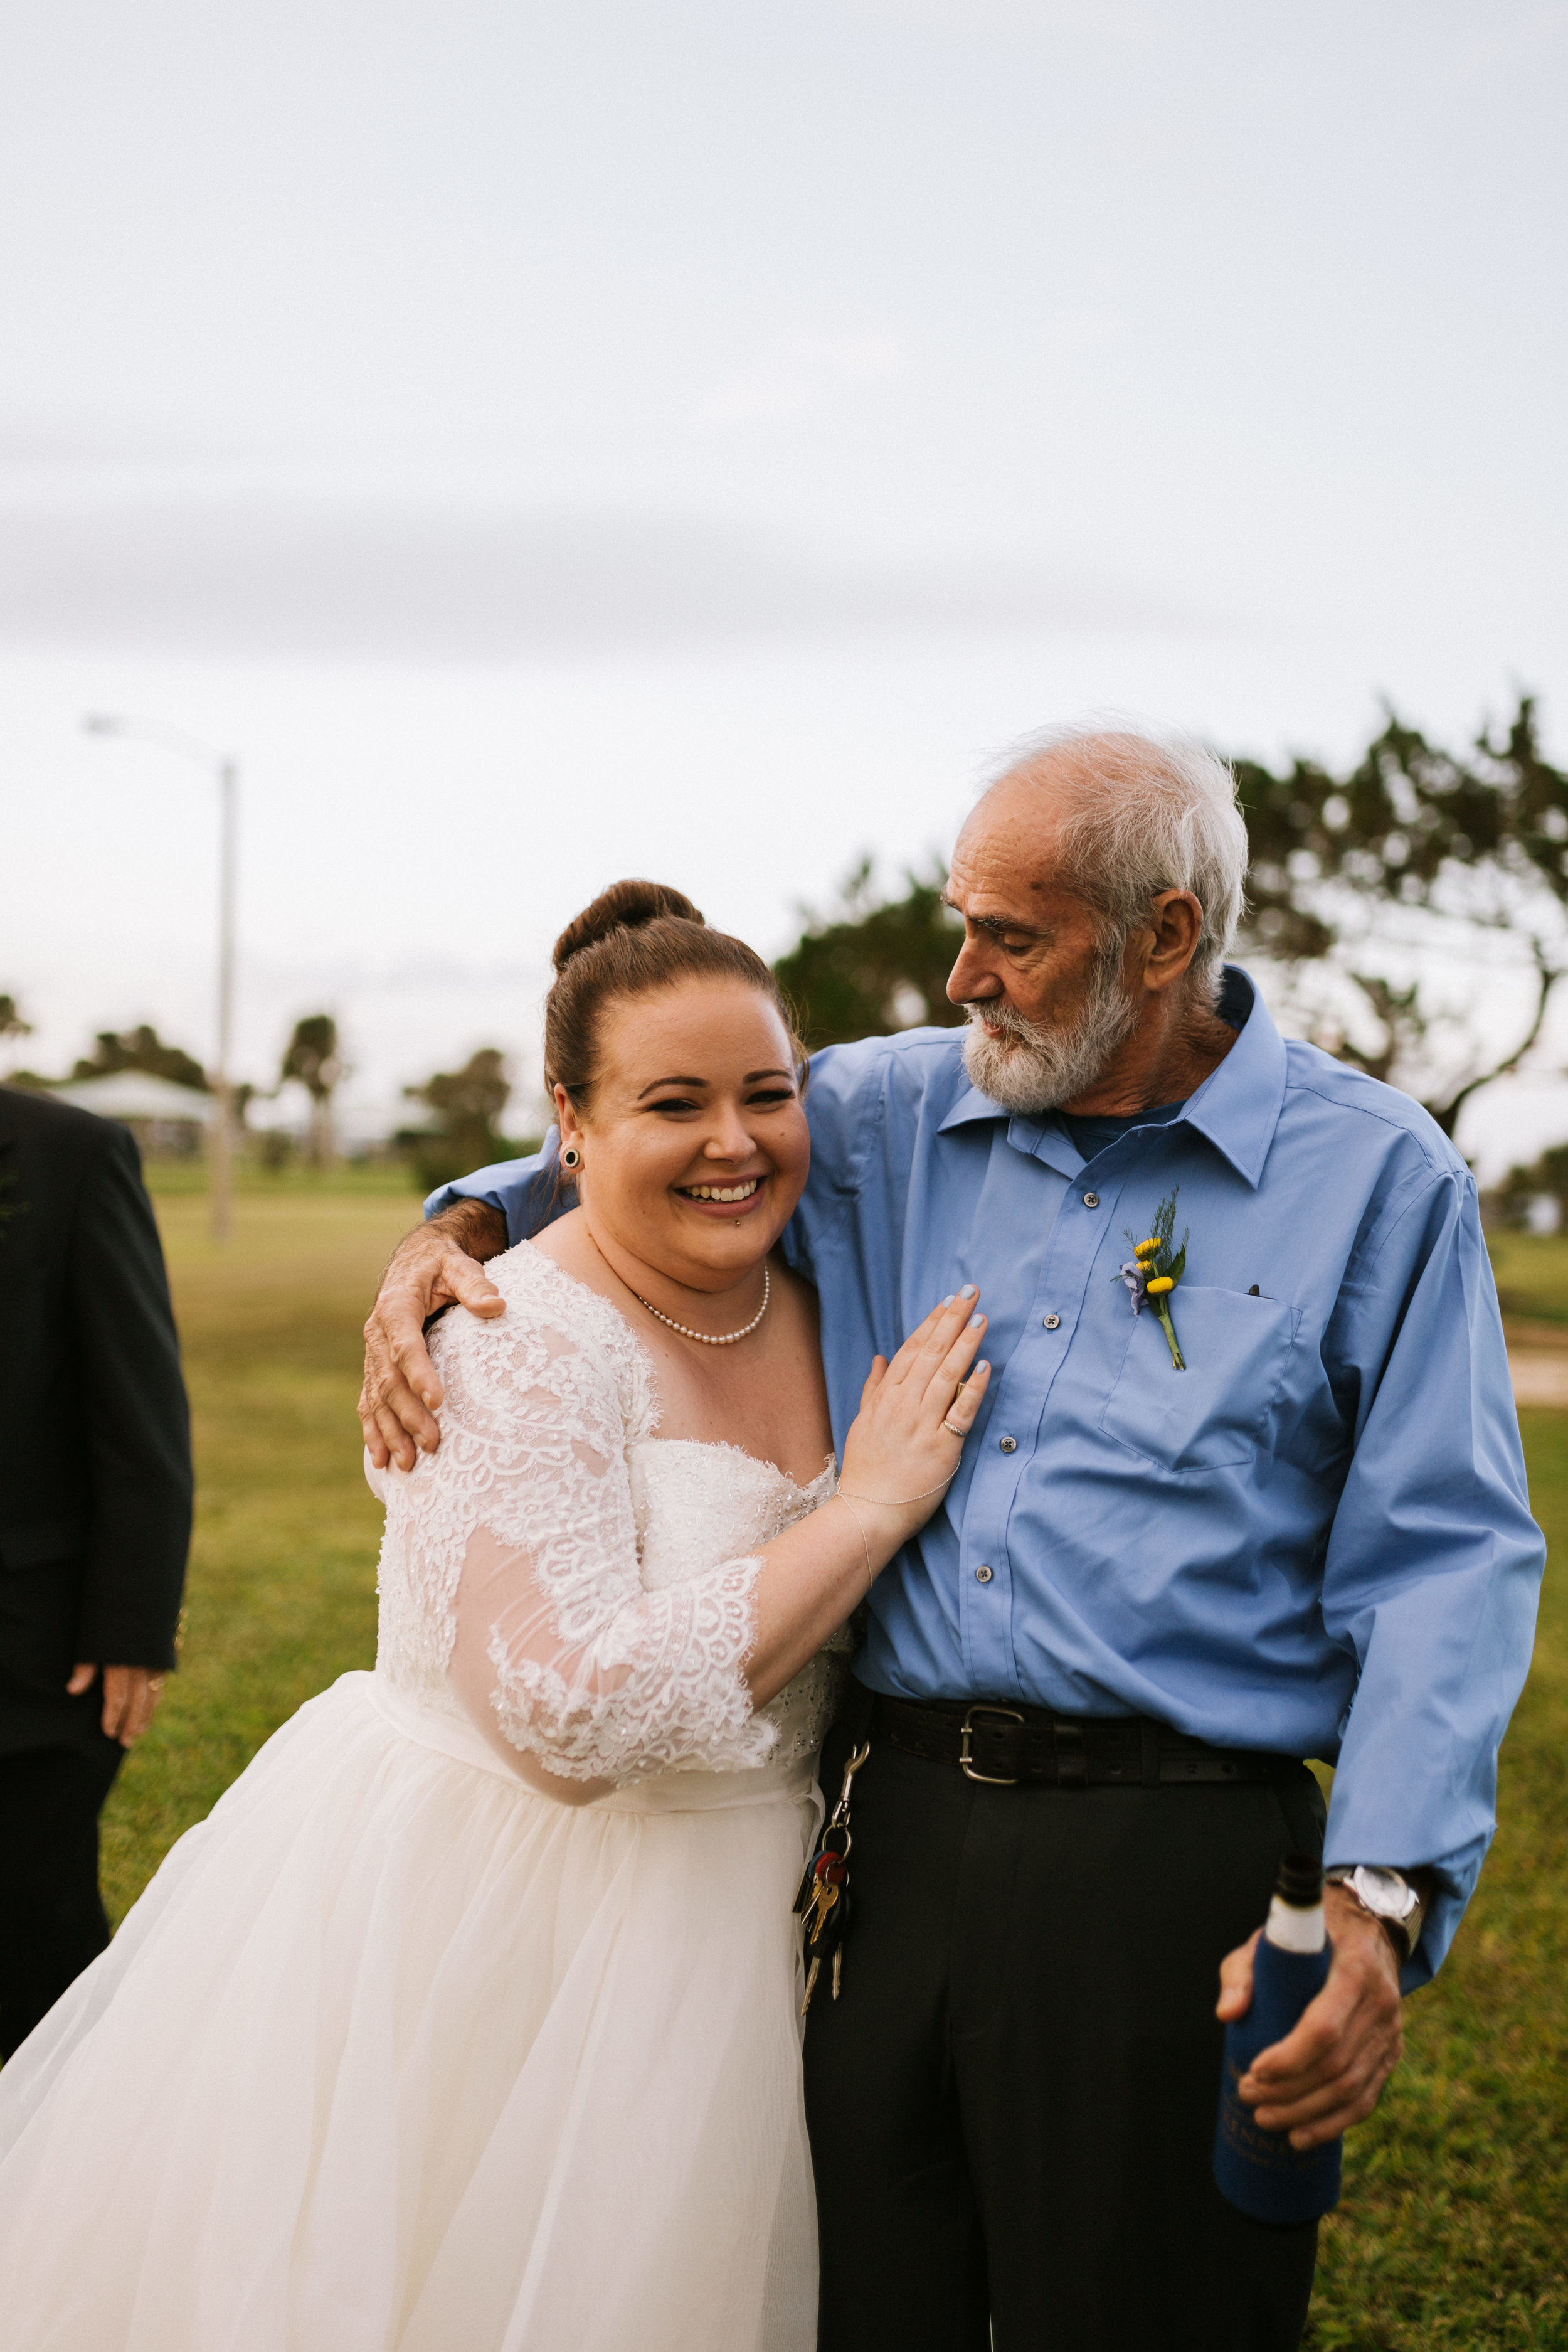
x=442, y=1264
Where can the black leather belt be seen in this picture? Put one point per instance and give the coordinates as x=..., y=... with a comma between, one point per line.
x=1006, y=1746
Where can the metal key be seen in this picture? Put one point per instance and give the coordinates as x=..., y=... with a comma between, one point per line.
x=824, y=1899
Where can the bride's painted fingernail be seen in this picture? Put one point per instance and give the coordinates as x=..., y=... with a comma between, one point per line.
x=948, y=1301
x=981, y=1367
x=968, y=1291
x=976, y=1321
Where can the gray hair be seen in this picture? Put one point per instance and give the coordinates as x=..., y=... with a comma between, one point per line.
x=1140, y=814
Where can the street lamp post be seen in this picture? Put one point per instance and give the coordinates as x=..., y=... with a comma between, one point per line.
x=225, y=771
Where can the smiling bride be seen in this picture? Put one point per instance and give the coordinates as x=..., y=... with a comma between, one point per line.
x=470, y=2017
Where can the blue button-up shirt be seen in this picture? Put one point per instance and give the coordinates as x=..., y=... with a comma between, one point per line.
x=1316, y=1539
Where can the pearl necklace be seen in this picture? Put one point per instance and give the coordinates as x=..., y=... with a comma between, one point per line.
x=711, y=1338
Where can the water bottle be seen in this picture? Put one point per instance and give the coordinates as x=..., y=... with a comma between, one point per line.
x=1260, y=2171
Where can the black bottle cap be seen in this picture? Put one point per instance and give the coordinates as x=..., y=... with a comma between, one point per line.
x=1301, y=1881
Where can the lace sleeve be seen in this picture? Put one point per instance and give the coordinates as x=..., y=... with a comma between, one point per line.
x=550, y=1643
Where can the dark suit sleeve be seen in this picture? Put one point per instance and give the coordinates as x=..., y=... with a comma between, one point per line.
x=138, y=1434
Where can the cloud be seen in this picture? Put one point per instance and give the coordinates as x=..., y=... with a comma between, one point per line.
x=1114, y=23
x=290, y=577
x=87, y=448
x=799, y=375
x=1503, y=44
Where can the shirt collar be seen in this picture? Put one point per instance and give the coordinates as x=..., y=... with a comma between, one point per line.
x=971, y=1105
x=1237, y=1108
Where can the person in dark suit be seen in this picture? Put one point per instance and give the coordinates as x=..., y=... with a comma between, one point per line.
x=94, y=1523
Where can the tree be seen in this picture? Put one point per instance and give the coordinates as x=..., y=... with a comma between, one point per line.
x=140, y=1049
x=312, y=1057
x=469, y=1103
x=1388, y=892
x=872, y=964
x=1388, y=896
x=1511, y=1201
x=13, y=1025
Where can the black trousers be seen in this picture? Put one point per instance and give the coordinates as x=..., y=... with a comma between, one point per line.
x=52, y=1920
x=1012, y=2104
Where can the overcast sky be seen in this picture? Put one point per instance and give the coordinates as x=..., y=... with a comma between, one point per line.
x=550, y=442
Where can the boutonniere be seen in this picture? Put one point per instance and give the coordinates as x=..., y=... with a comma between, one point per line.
x=1153, y=1270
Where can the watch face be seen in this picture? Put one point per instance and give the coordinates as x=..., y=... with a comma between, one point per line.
x=1384, y=1892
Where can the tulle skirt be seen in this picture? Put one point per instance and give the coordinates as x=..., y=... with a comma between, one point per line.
x=395, y=2052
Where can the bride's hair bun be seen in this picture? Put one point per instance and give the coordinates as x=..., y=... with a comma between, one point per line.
x=624, y=907
x=635, y=940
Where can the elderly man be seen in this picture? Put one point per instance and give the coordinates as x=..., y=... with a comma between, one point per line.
x=1088, y=1685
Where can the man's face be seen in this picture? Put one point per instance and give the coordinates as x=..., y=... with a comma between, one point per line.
x=1028, y=942
x=1046, y=1010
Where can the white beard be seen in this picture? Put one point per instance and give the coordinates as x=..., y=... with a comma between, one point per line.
x=1030, y=1069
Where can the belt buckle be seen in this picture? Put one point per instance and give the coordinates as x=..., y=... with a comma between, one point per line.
x=989, y=1780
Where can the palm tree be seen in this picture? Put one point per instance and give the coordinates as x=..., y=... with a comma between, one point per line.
x=313, y=1059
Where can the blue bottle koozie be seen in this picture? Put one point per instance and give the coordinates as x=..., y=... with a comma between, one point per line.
x=1260, y=2171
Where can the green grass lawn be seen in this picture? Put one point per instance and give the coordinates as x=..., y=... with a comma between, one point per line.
x=281, y=1596
x=1453, y=2229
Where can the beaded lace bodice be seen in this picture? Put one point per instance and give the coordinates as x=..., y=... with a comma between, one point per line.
x=578, y=1587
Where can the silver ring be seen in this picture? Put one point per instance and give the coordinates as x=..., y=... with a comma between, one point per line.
x=957, y=1433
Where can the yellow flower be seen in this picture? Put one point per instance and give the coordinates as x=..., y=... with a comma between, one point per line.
x=1161, y=1282
x=1144, y=1249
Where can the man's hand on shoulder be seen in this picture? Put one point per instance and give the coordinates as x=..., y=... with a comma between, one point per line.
x=1329, y=2071
x=438, y=1265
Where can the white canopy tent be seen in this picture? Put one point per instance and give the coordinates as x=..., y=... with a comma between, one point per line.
x=135, y=1097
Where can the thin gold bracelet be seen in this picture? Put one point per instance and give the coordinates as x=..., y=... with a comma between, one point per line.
x=840, y=1496
x=901, y=1502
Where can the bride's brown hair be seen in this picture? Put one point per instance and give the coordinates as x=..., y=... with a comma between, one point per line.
x=636, y=937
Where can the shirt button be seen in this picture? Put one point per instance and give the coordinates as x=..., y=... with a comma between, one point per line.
x=1008, y=1444
x=1092, y=1199
x=1052, y=1321
x=983, y=1576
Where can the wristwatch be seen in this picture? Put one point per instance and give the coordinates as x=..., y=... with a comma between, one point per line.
x=1388, y=1895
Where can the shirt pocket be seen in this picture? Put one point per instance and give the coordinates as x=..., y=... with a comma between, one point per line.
x=1212, y=1415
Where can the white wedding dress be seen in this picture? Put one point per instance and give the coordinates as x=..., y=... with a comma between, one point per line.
x=467, y=2021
